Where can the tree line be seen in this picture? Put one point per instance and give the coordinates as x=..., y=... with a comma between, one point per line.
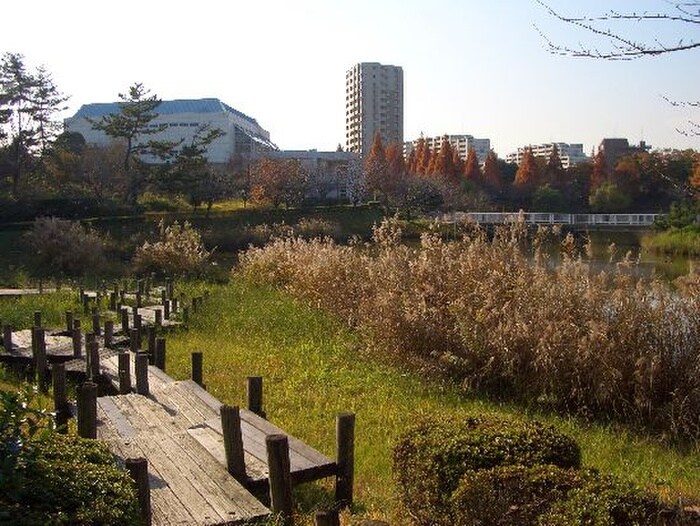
x=38, y=162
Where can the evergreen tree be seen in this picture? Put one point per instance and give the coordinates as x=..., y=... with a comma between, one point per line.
x=444, y=163
x=132, y=124
x=472, y=172
x=28, y=105
x=553, y=170
x=526, y=176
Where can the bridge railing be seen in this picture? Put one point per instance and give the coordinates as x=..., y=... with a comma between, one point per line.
x=547, y=218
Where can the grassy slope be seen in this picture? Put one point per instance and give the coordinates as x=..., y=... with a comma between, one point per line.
x=313, y=368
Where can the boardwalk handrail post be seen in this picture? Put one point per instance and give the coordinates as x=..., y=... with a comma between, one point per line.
x=160, y=354
x=96, y=321
x=280, y=476
x=233, y=441
x=345, y=458
x=37, y=318
x=87, y=410
x=166, y=309
x=39, y=355
x=159, y=317
x=254, y=389
x=89, y=338
x=77, y=339
x=151, y=333
x=60, y=401
x=142, y=373
x=134, y=340
x=124, y=372
x=109, y=333
x=69, y=321
x=7, y=337
x=138, y=469
x=94, y=351
x=125, y=320
x=197, y=370
x=327, y=518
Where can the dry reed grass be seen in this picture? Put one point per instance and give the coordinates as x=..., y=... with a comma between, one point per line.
x=497, y=314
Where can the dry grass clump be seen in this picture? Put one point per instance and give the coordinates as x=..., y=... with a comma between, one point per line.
x=496, y=313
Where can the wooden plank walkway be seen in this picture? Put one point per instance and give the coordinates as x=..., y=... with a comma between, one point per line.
x=188, y=485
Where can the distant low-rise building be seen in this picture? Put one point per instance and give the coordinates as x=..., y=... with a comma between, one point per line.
x=332, y=175
x=570, y=154
x=461, y=143
x=616, y=148
x=179, y=120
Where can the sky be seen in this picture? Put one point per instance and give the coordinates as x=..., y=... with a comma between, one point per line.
x=470, y=66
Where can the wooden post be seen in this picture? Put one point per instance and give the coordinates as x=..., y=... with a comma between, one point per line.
x=254, y=388
x=109, y=333
x=77, y=339
x=37, y=318
x=87, y=410
x=345, y=436
x=124, y=373
x=163, y=296
x=7, y=337
x=134, y=340
x=86, y=304
x=233, y=441
x=138, y=323
x=142, y=373
x=60, y=401
x=94, y=350
x=280, y=477
x=166, y=309
x=138, y=299
x=197, y=372
x=40, y=363
x=159, y=318
x=160, y=354
x=327, y=518
x=69, y=321
x=113, y=301
x=125, y=320
x=140, y=287
x=173, y=305
x=122, y=296
x=89, y=338
x=152, y=349
x=169, y=287
x=185, y=314
x=138, y=469
x=96, y=321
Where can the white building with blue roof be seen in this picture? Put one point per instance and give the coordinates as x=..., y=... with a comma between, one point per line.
x=180, y=119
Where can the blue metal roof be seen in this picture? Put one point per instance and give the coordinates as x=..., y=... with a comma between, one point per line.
x=166, y=107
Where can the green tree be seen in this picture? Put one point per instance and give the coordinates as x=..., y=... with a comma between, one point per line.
x=548, y=199
x=29, y=102
x=599, y=174
x=609, y=198
x=553, y=169
x=132, y=125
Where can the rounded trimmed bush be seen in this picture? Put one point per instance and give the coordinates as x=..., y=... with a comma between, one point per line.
x=432, y=457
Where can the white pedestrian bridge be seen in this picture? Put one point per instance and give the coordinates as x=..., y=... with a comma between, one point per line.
x=547, y=218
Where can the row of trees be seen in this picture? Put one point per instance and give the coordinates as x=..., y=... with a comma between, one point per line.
x=644, y=181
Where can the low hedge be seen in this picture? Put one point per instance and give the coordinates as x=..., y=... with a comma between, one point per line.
x=433, y=456
x=67, y=480
x=550, y=496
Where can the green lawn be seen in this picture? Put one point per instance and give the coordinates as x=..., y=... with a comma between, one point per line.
x=314, y=368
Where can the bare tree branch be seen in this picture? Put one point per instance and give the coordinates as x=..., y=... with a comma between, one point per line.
x=623, y=47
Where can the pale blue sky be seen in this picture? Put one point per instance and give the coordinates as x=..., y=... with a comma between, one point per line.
x=470, y=66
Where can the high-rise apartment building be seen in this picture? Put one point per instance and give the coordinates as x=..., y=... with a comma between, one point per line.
x=570, y=154
x=460, y=143
x=373, y=102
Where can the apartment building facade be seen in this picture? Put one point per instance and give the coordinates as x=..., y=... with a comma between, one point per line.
x=373, y=103
x=570, y=154
x=461, y=143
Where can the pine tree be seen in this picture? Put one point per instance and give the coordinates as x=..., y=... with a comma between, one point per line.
x=526, y=176
x=492, y=173
x=472, y=172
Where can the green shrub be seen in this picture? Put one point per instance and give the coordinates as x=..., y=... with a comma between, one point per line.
x=61, y=248
x=432, y=457
x=69, y=480
x=179, y=251
x=511, y=494
x=606, y=501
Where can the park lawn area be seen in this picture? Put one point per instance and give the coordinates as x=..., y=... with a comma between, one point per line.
x=314, y=368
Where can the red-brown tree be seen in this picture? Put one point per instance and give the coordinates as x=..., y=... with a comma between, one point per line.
x=527, y=175
x=376, y=165
x=472, y=172
x=599, y=174
x=492, y=173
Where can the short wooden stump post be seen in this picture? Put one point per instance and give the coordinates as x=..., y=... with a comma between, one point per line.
x=7, y=337
x=280, y=477
x=60, y=401
x=77, y=339
x=124, y=372
x=69, y=321
x=197, y=369
x=254, y=389
x=109, y=333
x=345, y=458
x=134, y=340
x=327, y=518
x=138, y=469
x=160, y=354
x=37, y=318
x=233, y=441
x=151, y=335
x=96, y=321
x=142, y=373
x=87, y=410
x=125, y=321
